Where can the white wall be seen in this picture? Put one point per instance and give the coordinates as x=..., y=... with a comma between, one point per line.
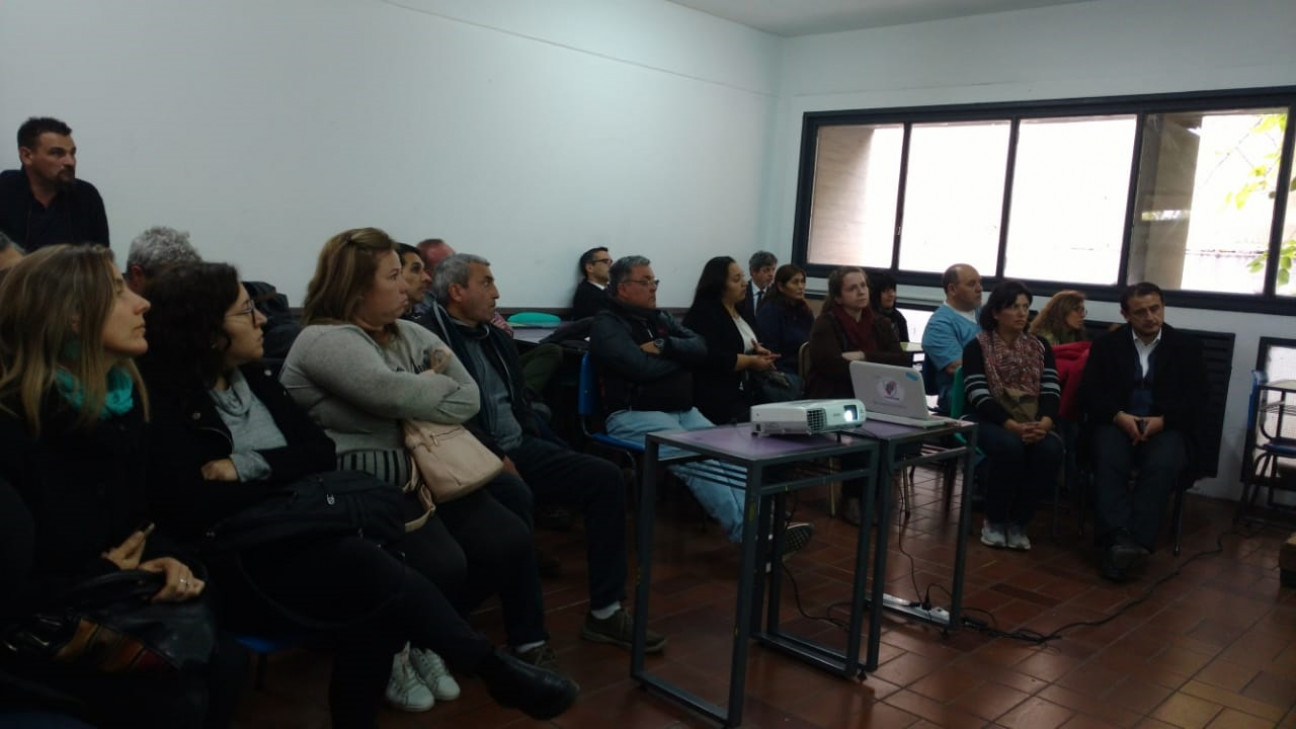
x=1101, y=48
x=526, y=132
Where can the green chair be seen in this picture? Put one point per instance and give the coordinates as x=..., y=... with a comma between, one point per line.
x=534, y=319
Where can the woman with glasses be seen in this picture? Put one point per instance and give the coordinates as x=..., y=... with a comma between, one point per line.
x=1062, y=320
x=1011, y=386
x=1061, y=323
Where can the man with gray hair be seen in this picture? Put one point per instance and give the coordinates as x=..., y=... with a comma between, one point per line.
x=465, y=294
x=154, y=251
x=645, y=360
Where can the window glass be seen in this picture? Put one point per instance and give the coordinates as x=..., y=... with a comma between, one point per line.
x=856, y=180
x=1070, y=191
x=954, y=195
x=1286, y=281
x=1205, y=199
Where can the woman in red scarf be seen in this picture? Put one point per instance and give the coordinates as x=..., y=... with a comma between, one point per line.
x=1011, y=384
x=848, y=330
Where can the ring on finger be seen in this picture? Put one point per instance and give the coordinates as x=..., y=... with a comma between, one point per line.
x=184, y=581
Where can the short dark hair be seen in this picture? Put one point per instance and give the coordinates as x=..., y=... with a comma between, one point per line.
x=1142, y=288
x=879, y=281
x=587, y=258
x=1003, y=296
x=761, y=259
x=620, y=272
x=186, y=322
x=711, y=284
x=405, y=248
x=30, y=131
x=775, y=296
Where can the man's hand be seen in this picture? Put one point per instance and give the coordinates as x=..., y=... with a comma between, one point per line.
x=127, y=554
x=181, y=585
x=650, y=347
x=510, y=467
x=1129, y=425
x=222, y=470
x=1153, y=426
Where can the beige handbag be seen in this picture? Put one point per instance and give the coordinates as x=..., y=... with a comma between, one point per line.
x=448, y=460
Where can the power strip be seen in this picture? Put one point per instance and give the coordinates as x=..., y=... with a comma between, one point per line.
x=934, y=615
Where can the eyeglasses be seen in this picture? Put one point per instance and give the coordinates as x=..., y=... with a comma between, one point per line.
x=651, y=283
x=608, y=261
x=249, y=311
x=1081, y=311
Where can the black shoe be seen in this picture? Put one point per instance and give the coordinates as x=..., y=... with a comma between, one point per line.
x=536, y=692
x=1127, y=555
x=1110, y=571
x=547, y=565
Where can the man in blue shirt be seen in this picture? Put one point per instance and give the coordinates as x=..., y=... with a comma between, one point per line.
x=952, y=326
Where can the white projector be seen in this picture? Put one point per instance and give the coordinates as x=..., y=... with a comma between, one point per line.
x=803, y=417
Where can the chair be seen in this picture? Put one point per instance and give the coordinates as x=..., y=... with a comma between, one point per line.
x=589, y=411
x=534, y=319
x=1264, y=470
x=263, y=646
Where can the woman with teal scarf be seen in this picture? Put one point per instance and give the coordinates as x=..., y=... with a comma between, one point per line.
x=72, y=420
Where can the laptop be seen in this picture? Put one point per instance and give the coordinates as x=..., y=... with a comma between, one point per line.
x=893, y=394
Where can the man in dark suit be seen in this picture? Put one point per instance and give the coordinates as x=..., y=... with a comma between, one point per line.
x=761, y=266
x=591, y=293
x=1142, y=391
x=44, y=203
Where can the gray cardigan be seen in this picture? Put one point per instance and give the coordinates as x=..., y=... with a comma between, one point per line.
x=359, y=391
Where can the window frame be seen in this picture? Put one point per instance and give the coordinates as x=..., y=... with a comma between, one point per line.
x=1139, y=105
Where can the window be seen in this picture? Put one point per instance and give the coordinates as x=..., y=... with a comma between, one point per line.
x=1183, y=190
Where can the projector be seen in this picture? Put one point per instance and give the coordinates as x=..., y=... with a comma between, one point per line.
x=805, y=417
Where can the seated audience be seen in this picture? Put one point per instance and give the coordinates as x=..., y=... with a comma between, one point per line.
x=10, y=253
x=1061, y=323
x=1010, y=381
x=847, y=330
x=465, y=292
x=723, y=385
x=44, y=203
x=417, y=280
x=882, y=297
x=359, y=370
x=950, y=329
x=1062, y=320
x=591, y=293
x=1143, y=390
x=646, y=361
x=225, y=436
x=784, y=323
x=154, y=251
x=73, y=415
x=761, y=266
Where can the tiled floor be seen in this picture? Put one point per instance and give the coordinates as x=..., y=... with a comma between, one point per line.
x=1212, y=647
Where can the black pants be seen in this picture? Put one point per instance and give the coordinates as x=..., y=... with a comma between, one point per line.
x=480, y=545
x=1160, y=462
x=1019, y=474
x=375, y=602
x=559, y=475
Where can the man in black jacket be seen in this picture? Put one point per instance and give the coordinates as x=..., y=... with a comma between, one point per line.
x=465, y=295
x=645, y=361
x=44, y=203
x=591, y=293
x=1142, y=391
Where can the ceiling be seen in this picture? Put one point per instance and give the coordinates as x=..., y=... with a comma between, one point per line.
x=808, y=17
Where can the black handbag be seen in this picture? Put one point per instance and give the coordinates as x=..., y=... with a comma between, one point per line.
x=107, y=624
x=325, y=505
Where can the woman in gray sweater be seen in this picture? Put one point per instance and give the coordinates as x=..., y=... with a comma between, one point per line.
x=359, y=370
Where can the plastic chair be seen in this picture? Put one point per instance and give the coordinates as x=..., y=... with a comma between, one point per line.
x=534, y=319
x=263, y=646
x=589, y=411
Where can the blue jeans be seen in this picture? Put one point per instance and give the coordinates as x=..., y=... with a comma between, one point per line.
x=724, y=503
x=1019, y=474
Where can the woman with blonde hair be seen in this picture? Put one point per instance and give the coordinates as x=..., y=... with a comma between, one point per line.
x=359, y=370
x=1062, y=319
x=72, y=467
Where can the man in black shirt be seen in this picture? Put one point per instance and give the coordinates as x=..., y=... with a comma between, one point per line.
x=44, y=203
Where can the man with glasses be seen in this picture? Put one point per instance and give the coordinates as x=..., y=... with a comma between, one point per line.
x=1143, y=389
x=645, y=360
x=591, y=293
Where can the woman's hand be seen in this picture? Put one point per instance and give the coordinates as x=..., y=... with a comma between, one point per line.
x=127, y=554
x=756, y=362
x=222, y=470
x=856, y=356
x=438, y=359
x=181, y=585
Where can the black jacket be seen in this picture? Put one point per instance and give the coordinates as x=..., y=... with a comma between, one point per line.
x=187, y=432
x=79, y=494
x=503, y=355
x=74, y=216
x=1179, y=383
x=630, y=377
x=721, y=393
x=588, y=300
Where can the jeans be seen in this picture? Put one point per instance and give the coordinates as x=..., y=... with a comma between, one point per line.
x=1018, y=473
x=724, y=503
x=1160, y=462
x=559, y=475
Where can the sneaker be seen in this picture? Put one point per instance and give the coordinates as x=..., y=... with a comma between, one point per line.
x=618, y=629
x=432, y=671
x=797, y=535
x=541, y=656
x=404, y=689
x=1016, y=539
x=992, y=535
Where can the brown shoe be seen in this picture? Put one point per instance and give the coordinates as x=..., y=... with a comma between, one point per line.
x=851, y=511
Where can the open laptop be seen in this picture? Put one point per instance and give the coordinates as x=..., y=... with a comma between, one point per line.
x=893, y=394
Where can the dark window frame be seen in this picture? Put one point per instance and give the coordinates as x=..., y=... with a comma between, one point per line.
x=1139, y=105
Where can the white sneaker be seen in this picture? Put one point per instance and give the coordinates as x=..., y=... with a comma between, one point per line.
x=1017, y=538
x=434, y=674
x=404, y=689
x=992, y=535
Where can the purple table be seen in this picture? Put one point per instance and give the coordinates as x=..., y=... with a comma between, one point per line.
x=774, y=467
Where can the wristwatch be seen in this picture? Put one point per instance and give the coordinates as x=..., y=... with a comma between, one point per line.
x=660, y=344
